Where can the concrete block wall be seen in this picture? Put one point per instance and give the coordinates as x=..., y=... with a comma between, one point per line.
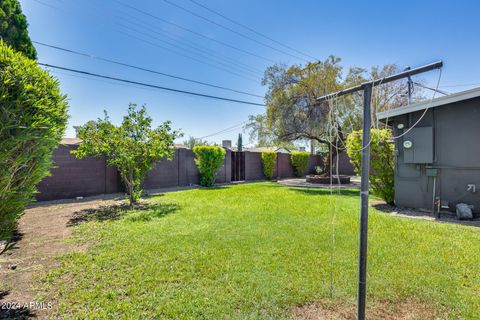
x=72, y=177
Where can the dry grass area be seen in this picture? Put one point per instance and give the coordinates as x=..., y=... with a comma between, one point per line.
x=385, y=310
x=40, y=238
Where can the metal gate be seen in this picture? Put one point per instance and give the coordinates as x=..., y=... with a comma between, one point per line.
x=238, y=166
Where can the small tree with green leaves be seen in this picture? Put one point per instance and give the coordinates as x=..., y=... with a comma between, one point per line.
x=33, y=116
x=269, y=159
x=13, y=28
x=299, y=162
x=208, y=159
x=132, y=147
x=381, y=161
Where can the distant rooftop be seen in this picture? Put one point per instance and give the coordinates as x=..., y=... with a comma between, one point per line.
x=70, y=141
x=261, y=149
x=451, y=98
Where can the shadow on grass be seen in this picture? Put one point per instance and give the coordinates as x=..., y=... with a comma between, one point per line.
x=326, y=192
x=115, y=212
x=11, y=243
x=9, y=311
x=17, y=313
x=383, y=207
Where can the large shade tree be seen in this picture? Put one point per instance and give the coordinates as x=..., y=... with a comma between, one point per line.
x=293, y=113
x=13, y=28
x=292, y=110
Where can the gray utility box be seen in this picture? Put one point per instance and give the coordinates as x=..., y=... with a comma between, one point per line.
x=419, y=142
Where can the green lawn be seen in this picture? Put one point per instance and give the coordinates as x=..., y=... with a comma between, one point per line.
x=254, y=251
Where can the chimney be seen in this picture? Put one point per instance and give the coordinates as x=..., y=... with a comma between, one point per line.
x=227, y=144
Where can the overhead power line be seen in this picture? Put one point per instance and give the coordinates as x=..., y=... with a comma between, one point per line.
x=192, y=31
x=144, y=69
x=193, y=57
x=431, y=89
x=200, y=48
x=231, y=30
x=151, y=85
x=229, y=129
x=251, y=29
x=461, y=85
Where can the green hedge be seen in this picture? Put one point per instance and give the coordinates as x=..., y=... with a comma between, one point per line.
x=381, y=161
x=208, y=159
x=299, y=162
x=33, y=116
x=269, y=159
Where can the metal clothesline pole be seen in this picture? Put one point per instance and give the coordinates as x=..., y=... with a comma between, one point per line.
x=365, y=173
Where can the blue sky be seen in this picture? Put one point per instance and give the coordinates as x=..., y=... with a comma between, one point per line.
x=362, y=33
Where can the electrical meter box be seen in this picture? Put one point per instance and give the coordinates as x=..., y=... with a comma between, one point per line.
x=418, y=145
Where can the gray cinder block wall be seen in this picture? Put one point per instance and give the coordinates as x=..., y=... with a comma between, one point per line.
x=71, y=177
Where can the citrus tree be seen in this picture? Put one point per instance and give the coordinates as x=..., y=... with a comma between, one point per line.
x=133, y=147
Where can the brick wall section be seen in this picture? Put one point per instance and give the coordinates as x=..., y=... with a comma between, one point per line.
x=164, y=174
x=182, y=171
x=314, y=161
x=71, y=177
x=344, y=165
x=91, y=176
x=284, y=166
x=253, y=166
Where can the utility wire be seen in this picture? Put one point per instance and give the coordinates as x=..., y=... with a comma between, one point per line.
x=231, y=30
x=432, y=89
x=144, y=69
x=187, y=56
x=192, y=54
x=211, y=54
x=124, y=16
x=251, y=29
x=151, y=85
x=192, y=31
x=101, y=22
x=461, y=85
x=231, y=128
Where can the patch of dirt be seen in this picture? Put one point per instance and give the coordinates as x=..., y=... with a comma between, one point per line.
x=41, y=236
x=385, y=310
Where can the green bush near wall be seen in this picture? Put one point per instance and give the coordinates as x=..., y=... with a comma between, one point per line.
x=33, y=116
x=381, y=161
x=208, y=159
x=299, y=162
x=269, y=159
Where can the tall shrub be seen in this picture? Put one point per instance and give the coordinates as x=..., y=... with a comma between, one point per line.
x=132, y=147
x=299, y=162
x=208, y=159
x=381, y=161
x=33, y=116
x=269, y=159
